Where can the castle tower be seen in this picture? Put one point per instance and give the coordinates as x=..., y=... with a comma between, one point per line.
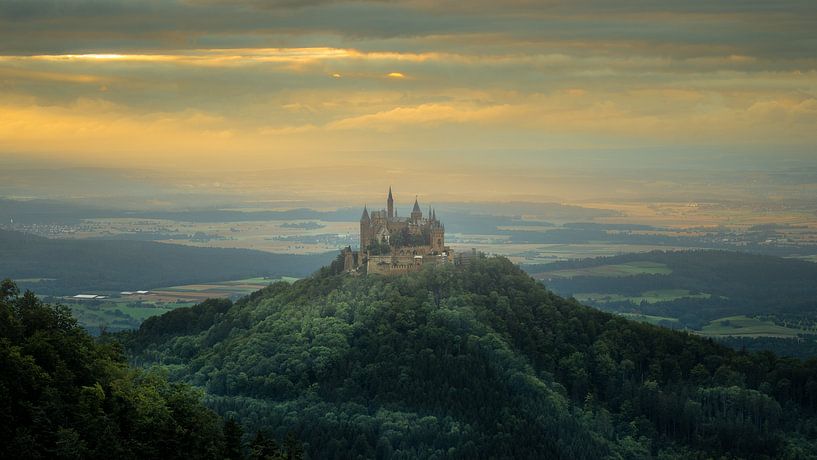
x=416, y=212
x=438, y=239
x=390, y=205
x=365, y=230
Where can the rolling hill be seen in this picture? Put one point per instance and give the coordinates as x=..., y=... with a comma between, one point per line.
x=746, y=300
x=476, y=361
x=62, y=267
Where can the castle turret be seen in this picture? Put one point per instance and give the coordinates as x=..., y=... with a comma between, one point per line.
x=438, y=239
x=416, y=212
x=390, y=205
x=365, y=230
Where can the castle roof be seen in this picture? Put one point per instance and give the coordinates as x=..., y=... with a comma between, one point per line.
x=416, y=206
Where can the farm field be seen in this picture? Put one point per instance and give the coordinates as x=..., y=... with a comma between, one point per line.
x=128, y=311
x=287, y=236
x=743, y=326
x=661, y=295
x=613, y=271
x=731, y=326
x=539, y=253
x=656, y=320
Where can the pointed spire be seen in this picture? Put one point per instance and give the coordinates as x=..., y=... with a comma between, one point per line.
x=433, y=214
x=390, y=205
x=416, y=205
x=365, y=215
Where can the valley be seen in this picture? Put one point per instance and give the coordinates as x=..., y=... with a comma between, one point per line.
x=127, y=310
x=721, y=295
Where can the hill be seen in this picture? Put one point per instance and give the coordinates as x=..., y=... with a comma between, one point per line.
x=64, y=395
x=62, y=267
x=478, y=361
x=765, y=301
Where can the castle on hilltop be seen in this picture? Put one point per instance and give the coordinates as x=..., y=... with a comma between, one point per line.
x=392, y=245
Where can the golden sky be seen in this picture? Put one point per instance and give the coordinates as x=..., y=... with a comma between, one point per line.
x=211, y=85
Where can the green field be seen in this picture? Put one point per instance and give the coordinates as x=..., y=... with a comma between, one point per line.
x=115, y=316
x=657, y=320
x=731, y=326
x=242, y=286
x=128, y=312
x=614, y=271
x=744, y=326
x=663, y=295
x=144, y=312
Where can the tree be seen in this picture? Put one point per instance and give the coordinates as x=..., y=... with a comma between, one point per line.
x=232, y=440
x=64, y=394
x=293, y=448
x=262, y=448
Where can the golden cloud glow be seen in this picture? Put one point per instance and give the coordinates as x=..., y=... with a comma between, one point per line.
x=164, y=106
x=237, y=56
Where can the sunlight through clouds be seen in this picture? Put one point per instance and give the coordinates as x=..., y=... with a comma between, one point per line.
x=242, y=80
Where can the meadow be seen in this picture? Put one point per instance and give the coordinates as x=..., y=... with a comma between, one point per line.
x=641, y=267
x=654, y=296
x=128, y=311
x=744, y=326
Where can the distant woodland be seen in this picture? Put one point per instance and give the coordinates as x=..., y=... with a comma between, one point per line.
x=63, y=266
x=736, y=283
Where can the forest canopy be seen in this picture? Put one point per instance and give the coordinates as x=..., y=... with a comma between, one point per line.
x=65, y=395
x=478, y=361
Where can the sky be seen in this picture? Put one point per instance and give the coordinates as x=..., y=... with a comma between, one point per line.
x=479, y=99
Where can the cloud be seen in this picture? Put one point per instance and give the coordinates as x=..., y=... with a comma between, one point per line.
x=110, y=80
x=425, y=114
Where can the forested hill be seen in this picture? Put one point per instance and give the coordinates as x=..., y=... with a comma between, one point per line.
x=71, y=266
x=698, y=286
x=63, y=395
x=478, y=361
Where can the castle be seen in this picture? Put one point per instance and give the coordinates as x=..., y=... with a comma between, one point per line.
x=393, y=245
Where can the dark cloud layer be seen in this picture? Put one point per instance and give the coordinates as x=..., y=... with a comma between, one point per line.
x=753, y=27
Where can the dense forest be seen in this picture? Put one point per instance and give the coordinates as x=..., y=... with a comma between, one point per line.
x=65, y=267
x=65, y=395
x=476, y=361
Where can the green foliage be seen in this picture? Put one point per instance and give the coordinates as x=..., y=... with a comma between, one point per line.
x=405, y=238
x=482, y=361
x=232, y=440
x=377, y=248
x=64, y=395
